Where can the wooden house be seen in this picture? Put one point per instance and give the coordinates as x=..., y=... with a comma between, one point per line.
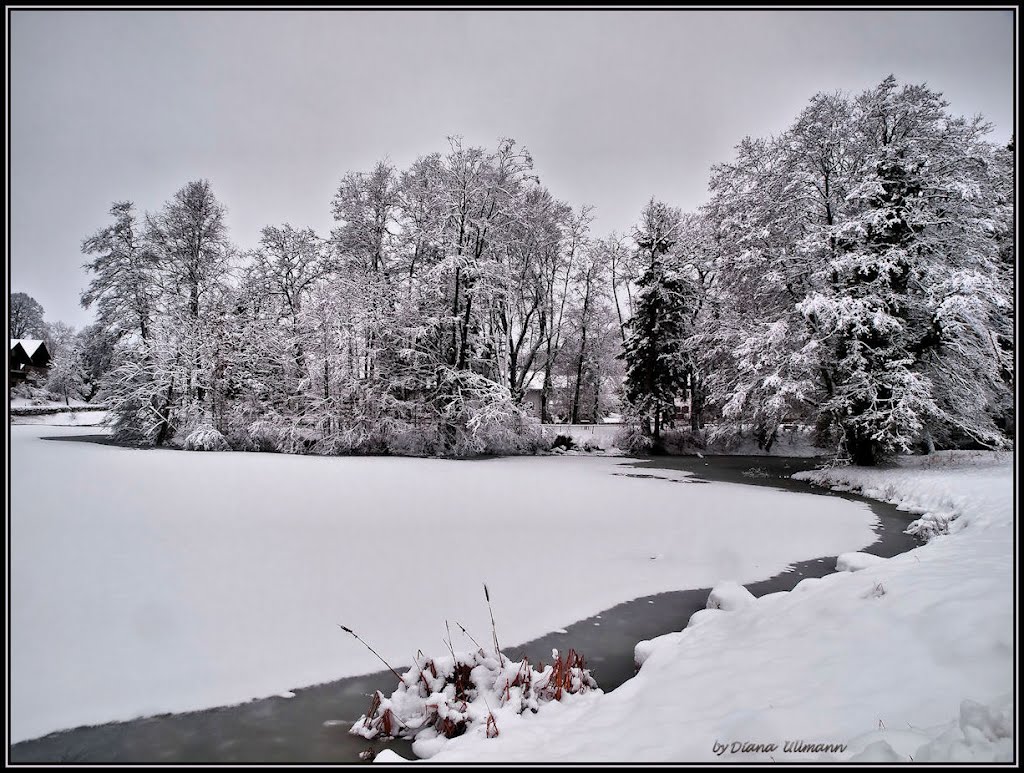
x=28, y=355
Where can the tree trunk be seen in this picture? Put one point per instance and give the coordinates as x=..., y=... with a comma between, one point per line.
x=165, y=426
x=545, y=417
x=618, y=307
x=861, y=449
x=453, y=354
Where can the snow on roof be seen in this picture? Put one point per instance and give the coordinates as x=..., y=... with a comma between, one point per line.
x=28, y=344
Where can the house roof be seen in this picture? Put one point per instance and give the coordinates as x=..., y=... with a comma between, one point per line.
x=29, y=345
x=18, y=356
x=29, y=351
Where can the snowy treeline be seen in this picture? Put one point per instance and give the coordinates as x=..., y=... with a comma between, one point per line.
x=444, y=291
x=854, y=273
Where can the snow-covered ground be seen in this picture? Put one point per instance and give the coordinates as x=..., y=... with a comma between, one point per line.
x=906, y=658
x=76, y=417
x=148, y=581
x=27, y=402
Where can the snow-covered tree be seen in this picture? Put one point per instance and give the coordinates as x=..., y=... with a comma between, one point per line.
x=96, y=356
x=59, y=337
x=189, y=238
x=592, y=342
x=524, y=322
x=26, y=316
x=170, y=280
x=614, y=252
x=65, y=378
x=912, y=281
x=557, y=270
x=655, y=356
x=366, y=210
x=858, y=277
x=124, y=282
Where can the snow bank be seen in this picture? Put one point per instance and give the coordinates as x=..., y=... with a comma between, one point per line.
x=872, y=663
x=854, y=562
x=728, y=596
x=940, y=487
x=66, y=418
x=982, y=734
x=153, y=581
x=389, y=756
x=35, y=404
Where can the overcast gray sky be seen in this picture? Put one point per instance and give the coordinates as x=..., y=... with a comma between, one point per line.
x=273, y=107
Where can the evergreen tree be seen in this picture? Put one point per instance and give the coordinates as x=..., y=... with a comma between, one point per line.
x=656, y=362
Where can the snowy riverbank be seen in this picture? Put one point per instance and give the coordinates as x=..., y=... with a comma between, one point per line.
x=907, y=658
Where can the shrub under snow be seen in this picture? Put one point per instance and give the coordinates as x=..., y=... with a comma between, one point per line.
x=449, y=696
x=205, y=438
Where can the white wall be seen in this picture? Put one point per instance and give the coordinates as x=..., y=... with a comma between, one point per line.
x=602, y=434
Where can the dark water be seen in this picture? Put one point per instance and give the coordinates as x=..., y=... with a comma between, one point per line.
x=293, y=730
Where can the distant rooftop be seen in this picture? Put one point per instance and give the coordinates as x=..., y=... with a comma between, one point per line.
x=29, y=345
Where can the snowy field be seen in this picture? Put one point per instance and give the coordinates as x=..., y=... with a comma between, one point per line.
x=148, y=581
x=905, y=659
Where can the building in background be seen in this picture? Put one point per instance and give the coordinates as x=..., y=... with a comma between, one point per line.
x=28, y=356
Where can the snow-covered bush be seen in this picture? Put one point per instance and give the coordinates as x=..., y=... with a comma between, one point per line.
x=133, y=419
x=283, y=434
x=415, y=441
x=205, y=438
x=490, y=421
x=260, y=435
x=448, y=696
x=491, y=435
x=675, y=441
x=564, y=442
x=930, y=525
x=632, y=438
x=683, y=441
x=729, y=596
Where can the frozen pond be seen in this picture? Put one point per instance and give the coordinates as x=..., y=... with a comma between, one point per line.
x=145, y=582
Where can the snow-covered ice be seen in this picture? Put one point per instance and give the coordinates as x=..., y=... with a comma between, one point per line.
x=908, y=658
x=150, y=581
